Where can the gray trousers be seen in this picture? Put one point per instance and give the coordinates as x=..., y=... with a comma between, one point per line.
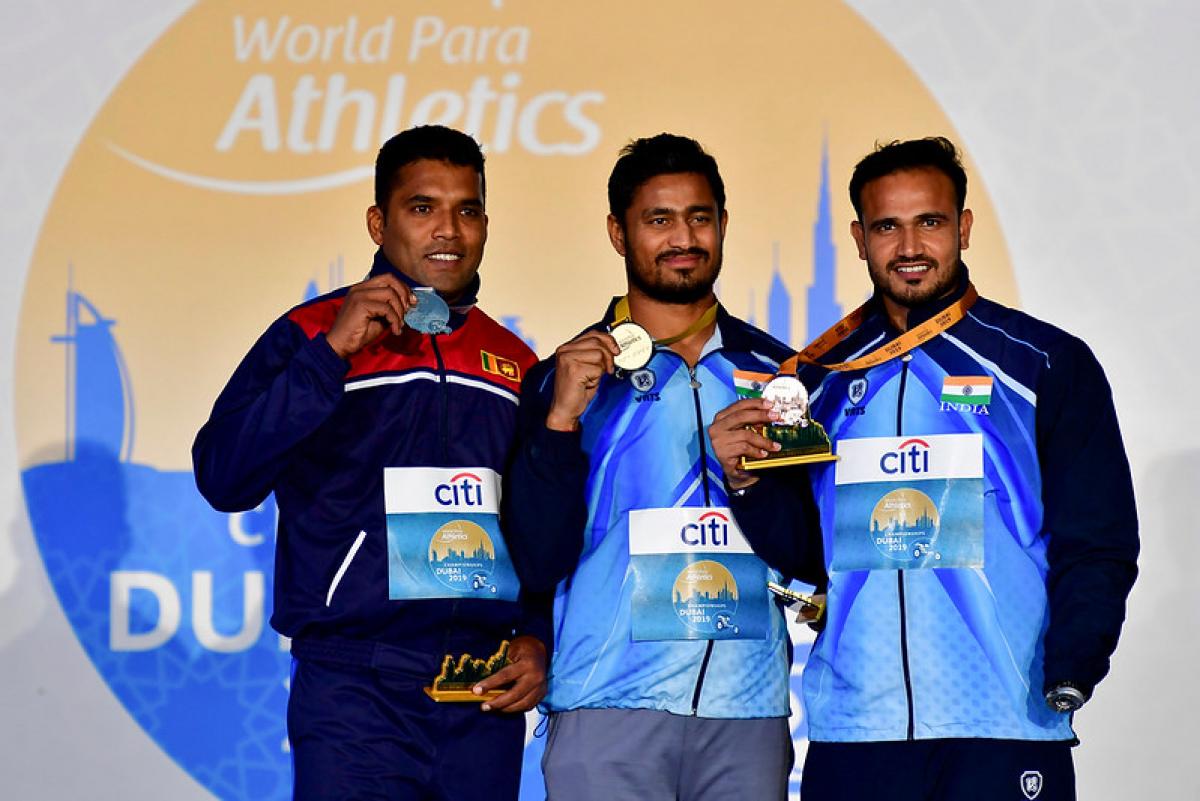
x=648, y=755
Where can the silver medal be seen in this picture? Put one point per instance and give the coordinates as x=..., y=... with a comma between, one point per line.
x=430, y=315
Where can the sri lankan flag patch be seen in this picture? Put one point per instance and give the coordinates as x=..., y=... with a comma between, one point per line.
x=973, y=389
x=750, y=384
x=497, y=365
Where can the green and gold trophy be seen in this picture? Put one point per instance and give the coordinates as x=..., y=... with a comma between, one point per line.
x=802, y=440
x=460, y=674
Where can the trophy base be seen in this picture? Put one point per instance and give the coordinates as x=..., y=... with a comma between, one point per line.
x=801, y=444
x=460, y=696
x=786, y=461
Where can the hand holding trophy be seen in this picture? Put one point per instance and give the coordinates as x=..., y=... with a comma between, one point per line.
x=801, y=439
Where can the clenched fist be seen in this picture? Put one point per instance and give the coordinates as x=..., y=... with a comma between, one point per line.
x=579, y=366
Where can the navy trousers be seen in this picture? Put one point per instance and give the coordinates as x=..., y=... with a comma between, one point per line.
x=363, y=733
x=939, y=770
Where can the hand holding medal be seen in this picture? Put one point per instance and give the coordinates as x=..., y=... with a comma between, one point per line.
x=624, y=349
x=371, y=309
x=579, y=366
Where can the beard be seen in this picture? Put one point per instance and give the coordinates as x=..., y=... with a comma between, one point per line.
x=675, y=288
x=908, y=296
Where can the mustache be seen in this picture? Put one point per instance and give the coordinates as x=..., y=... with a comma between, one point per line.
x=908, y=261
x=673, y=252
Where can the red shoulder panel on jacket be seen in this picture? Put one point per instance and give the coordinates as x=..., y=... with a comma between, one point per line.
x=317, y=317
x=490, y=351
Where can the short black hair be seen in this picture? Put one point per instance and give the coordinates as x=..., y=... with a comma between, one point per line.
x=435, y=142
x=937, y=152
x=665, y=154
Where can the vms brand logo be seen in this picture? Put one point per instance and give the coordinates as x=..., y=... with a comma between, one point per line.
x=711, y=530
x=911, y=458
x=856, y=391
x=464, y=489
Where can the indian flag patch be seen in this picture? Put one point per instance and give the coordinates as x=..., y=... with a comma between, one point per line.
x=973, y=389
x=749, y=384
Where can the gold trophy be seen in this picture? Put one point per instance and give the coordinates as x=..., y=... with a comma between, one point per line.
x=802, y=439
x=459, y=675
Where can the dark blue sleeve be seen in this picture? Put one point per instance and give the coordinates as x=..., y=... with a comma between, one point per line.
x=544, y=506
x=285, y=387
x=1090, y=520
x=537, y=615
x=779, y=518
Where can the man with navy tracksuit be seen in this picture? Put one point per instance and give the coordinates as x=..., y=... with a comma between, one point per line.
x=382, y=416
x=978, y=531
x=669, y=678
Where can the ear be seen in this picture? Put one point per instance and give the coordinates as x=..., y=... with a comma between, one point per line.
x=616, y=235
x=964, y=229
x=860, y=238
x=375, y=224
x=724, y=221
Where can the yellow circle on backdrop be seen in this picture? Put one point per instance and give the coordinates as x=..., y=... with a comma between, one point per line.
x=232, y=167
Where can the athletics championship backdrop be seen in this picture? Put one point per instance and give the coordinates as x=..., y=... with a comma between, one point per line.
x=177, y=175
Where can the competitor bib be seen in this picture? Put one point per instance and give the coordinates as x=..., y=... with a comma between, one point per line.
x=909, y=502
x=695, y=577
x=444, y=536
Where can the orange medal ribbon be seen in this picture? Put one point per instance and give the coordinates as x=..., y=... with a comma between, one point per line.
x=907, y=341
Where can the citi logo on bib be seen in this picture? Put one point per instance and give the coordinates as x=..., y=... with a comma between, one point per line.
x=711, y=529
x=464, y=489
x=911, y=457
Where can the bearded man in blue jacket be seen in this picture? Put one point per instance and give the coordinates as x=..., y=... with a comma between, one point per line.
x=669, y=680
x=979, y=532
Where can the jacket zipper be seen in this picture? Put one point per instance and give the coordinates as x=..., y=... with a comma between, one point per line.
x=908, y=691
x=695, y=385
x=443, y=423
x=444, y=412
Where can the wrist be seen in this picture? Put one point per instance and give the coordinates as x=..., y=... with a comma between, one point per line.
x=737, y=487
x=557, y=421
x=337, y=346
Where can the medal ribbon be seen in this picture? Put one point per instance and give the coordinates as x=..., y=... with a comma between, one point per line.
x=907, y=341
x=621, y=315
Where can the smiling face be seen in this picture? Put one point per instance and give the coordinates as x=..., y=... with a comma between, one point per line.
x=911, y=236
x=434, y=228
x=672, y=238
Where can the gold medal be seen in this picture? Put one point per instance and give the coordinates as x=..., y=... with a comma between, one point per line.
x=636, y=344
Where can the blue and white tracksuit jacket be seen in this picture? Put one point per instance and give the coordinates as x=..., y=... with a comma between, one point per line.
x=567, y=501
x=319, y=431
x=970, y=651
